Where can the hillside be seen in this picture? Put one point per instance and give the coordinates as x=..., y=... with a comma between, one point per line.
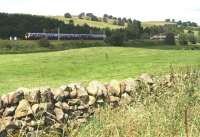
x=19, y=24
x=99, y=24
x=156, y=23
x=81, y=22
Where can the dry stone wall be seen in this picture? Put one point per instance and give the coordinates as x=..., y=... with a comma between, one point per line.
x=31, y=110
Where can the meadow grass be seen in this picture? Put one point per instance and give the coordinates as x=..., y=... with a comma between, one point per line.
x=99, y=24
x=168, y=111
x=85, y=64
x=174, y=112
x=81, y=22
x=155, y=23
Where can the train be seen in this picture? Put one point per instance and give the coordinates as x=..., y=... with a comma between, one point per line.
x=61, y=36
x=161, y=37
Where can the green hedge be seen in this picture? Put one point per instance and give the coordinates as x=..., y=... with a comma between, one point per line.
x=23, y=46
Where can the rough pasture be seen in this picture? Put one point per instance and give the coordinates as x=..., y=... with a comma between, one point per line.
x=56, y=68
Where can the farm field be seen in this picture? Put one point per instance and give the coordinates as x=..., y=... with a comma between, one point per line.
x=99, y=68
x=83, y=65
x=155, y=23
x=98, y=24
x=81, y=22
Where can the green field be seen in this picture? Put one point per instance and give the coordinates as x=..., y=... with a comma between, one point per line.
x=98, y=24
x=81, y=22
x=102, y=63
x=155, y=23
x=160, y=116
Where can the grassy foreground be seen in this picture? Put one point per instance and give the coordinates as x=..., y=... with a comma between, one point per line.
x=102, y=63
x=171, y=109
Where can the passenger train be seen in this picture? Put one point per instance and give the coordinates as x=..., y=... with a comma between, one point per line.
x=61, y=36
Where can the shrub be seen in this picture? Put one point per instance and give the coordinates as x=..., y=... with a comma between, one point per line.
x=71, y=22
x=134, y=30
x=81, y=15
x=44, y=42
x=116, y=38
x=198, y=37
x=170, y=39
x=68, y=15
x=191, y=38
x=145, y=36
x=6, y=46
x=12, y=47
x=183, y=40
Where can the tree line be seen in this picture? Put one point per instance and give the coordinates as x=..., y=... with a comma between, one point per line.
x=106, y=18
x=124, y=21
x=19, y=24
x=135, y=31
x=182, y=23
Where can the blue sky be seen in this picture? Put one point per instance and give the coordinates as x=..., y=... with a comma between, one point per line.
x=139, y=9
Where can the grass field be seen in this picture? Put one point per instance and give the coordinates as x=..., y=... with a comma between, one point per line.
x=56, y=68
x=155, y=23
x=163, y=117
x=81, y=22
x=98, y=24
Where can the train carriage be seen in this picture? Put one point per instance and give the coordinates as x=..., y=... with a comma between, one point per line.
x=61, y=36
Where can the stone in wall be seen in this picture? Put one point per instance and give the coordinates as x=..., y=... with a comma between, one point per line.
x=23, y=109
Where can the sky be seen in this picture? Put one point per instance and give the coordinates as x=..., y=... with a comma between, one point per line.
x=144, y=10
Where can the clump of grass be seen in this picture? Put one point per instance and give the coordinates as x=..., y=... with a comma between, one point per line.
x=44, y=42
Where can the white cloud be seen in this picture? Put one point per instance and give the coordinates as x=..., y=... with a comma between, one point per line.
x=138, y=9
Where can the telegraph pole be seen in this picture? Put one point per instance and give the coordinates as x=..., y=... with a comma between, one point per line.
x=104, y=33
x=58, y=33
x=44, y=31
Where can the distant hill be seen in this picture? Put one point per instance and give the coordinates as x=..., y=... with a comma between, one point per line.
x=100, y=24
x=81, y=22
x=19, y=24
x=156, y=23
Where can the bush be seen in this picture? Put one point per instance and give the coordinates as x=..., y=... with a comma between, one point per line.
x=183, y=40
x=71, y=22
x=116, y=38
x=44, y=42
x=198, y=37
x=6, y=47
x=192, y=38
x=12, y=47
x=170, y=39
x=134, y=30
x=68, y=15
